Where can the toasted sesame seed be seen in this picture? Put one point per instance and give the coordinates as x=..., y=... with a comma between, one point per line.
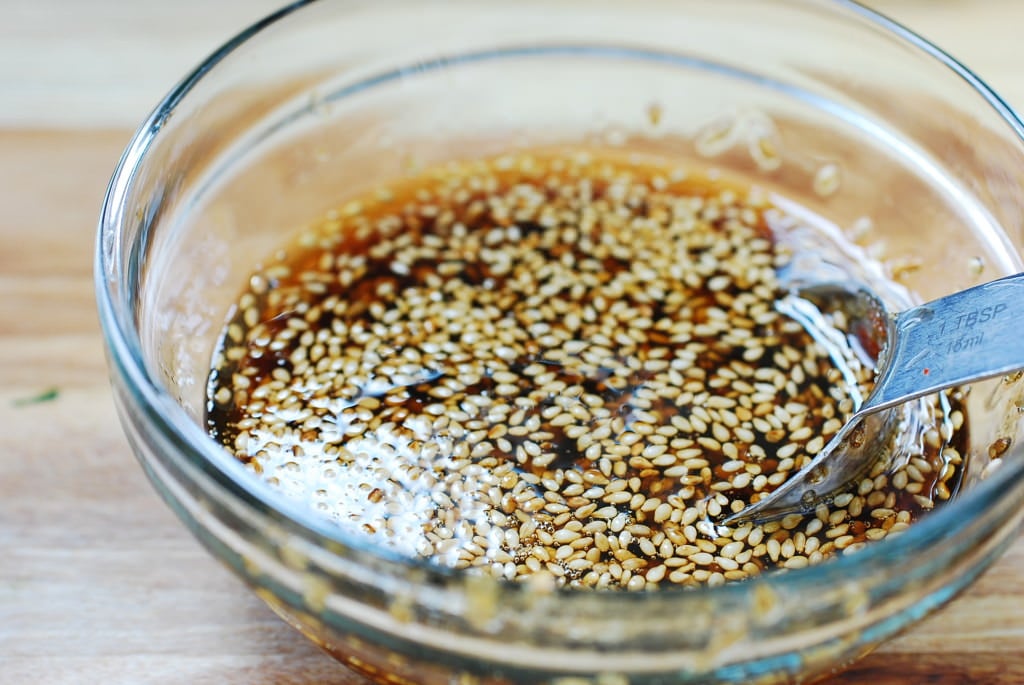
x=504, y=368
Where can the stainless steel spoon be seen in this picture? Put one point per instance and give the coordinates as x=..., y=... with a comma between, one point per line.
x=965, y=337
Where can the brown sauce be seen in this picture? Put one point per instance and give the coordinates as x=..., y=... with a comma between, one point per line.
x=556, y=366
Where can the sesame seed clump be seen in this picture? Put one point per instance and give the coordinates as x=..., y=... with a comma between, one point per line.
x=557, y=366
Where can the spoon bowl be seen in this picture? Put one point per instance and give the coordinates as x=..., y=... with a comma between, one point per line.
x=956, y=340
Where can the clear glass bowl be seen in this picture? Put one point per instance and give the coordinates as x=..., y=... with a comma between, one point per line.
x=905, y=151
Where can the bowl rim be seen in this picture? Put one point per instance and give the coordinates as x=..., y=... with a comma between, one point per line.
x=199, y=451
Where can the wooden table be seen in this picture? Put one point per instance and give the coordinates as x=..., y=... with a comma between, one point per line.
x=98, y=582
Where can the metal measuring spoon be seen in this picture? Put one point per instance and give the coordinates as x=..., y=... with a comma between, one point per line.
x=961, y=338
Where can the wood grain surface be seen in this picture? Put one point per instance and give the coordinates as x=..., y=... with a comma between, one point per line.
x=98, y=582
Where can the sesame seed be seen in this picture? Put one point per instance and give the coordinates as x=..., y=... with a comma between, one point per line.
x=508, y=366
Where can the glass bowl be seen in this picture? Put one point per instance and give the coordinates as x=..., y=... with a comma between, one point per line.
x=904, y=151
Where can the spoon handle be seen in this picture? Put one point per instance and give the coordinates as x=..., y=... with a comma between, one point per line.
x=968, y=336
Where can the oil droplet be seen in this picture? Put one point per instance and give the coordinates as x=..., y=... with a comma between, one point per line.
x=654, y=113
x=903, y=267
x=976, y=266
x=827, y=180
x=615, y=137
x=717, y=137
x=764, y=148
x=860, y=229
x=998, y=448
x=315, y=592
x=763, y=141
x=402, y=608
x=857, y=436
